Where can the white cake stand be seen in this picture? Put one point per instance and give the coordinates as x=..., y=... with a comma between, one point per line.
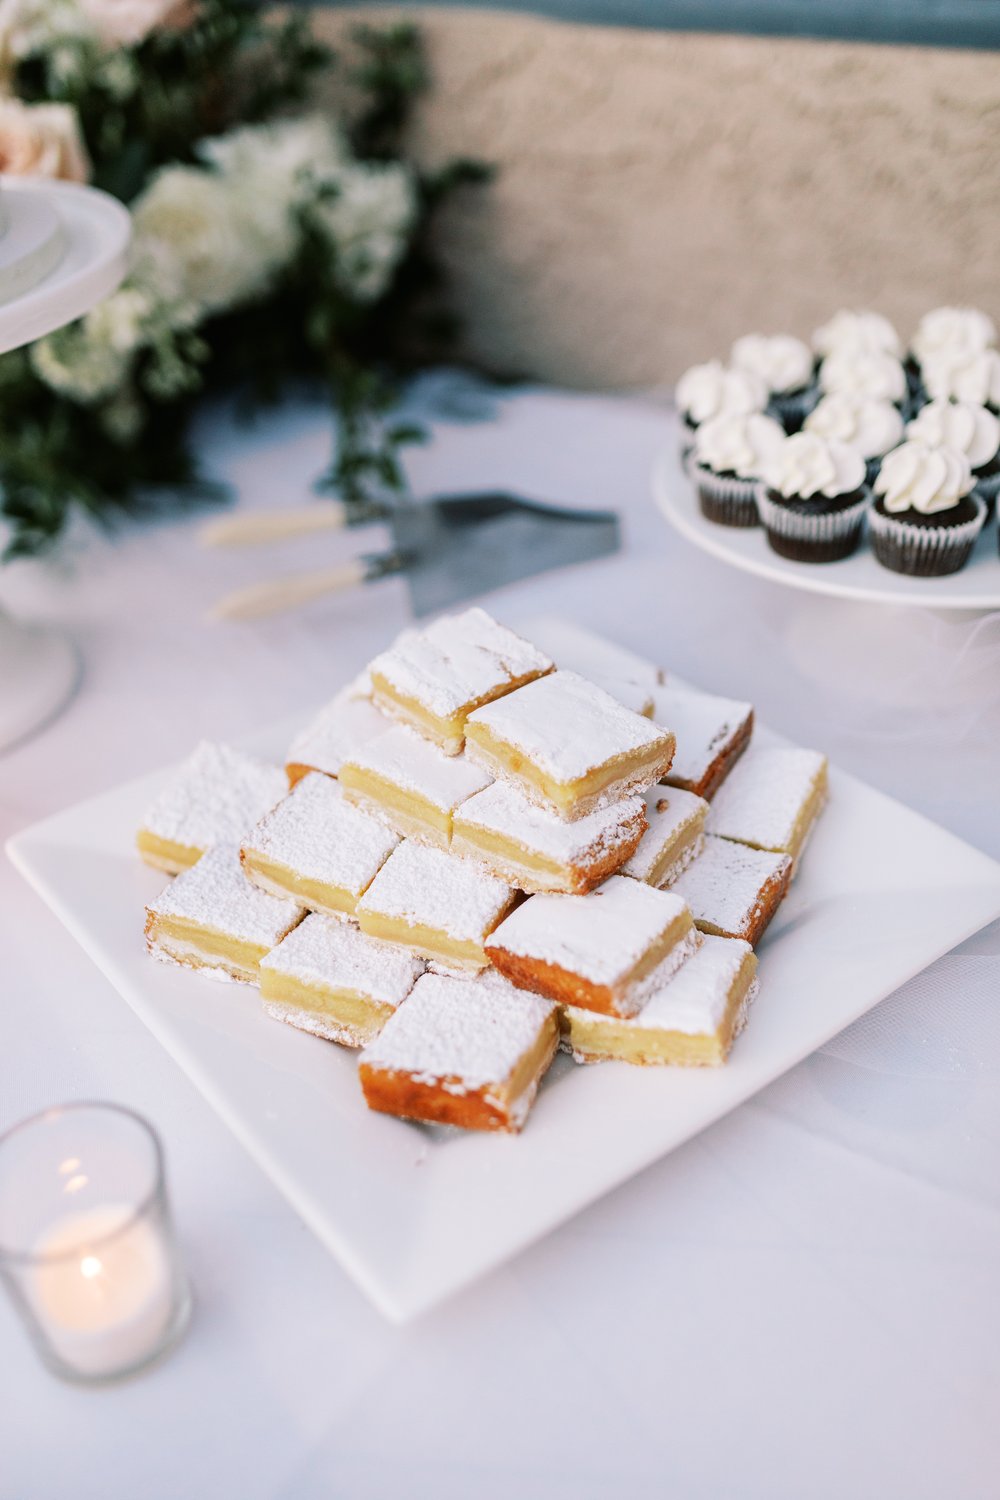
x=62, y=248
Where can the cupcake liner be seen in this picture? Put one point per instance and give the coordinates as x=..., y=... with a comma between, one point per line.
x=724, y=499
x=825, y=536
x=923, y=551
x=791, y=408
x=872, y=466
x=987, y=487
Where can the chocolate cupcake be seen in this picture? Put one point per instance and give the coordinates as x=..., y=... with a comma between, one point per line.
x=813, y=499
x=873, y=427
x=926, y=518
x=864, y=375
x=709, y=390
x=954, y=333
x=974, y=431
x=785, y=364
x=728, y=459
x=971, y=378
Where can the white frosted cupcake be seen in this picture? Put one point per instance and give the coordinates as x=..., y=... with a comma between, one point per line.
x=973, y=378
x=850, y=331
x=785, y=364
x=926, y=518
x=873, y=427
x=973, y=430
x=729, y=457
x=864, y=375
x=813, y=499
x=713, y=390
x=954, y=332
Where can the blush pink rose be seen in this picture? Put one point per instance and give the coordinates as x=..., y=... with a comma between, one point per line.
x=42, y=140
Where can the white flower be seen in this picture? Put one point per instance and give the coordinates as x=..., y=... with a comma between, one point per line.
x=368, y=222
x=43, y=140
x=205, y=238
x=77, y=365
x=126, y=23
x=279, y=156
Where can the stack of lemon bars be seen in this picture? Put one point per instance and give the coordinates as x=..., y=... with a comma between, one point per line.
x=484, y=848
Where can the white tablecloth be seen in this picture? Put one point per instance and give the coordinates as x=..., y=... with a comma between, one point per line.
x=800, y=1303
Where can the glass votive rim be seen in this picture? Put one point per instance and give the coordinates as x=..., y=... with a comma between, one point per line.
x=150, y=1205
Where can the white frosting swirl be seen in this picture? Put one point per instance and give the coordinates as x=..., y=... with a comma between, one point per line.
x=955, y=331
x=784, y=362
x=807, y=464
x=915, y=476
x=852, y=330
x=974, y=378
x=865, y=374
x=738, y=444
x=971, y=429
x=873, y=427
x=708, y=390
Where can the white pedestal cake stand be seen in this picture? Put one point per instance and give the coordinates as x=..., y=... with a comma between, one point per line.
x=62, y=248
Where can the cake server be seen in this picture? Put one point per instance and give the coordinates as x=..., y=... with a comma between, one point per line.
x=449, y=548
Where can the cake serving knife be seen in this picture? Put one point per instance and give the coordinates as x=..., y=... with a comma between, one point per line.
x=449, y=548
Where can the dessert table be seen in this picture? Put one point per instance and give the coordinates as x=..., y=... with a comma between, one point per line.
x=801, y=1301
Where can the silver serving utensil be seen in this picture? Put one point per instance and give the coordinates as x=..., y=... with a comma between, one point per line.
x=449, y=548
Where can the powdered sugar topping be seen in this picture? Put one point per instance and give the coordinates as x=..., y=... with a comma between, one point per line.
x=704, y=727
x=324, y=950
x=601, y=936
x=318, y=834
x=457, y=660
x=502, y=809
x=409, y=761
x=473, y=1030
x=419, y=884
x=723, y=886
x=215, y=893
x=214, y=797
x=338, y=730
x=695, y=1000
x=670, y=817
x=762, y=798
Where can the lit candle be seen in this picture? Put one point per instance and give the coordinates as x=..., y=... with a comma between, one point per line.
x=102, y=1290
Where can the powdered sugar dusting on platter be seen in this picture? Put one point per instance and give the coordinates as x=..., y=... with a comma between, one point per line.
x=669, y=817
x=567, y=726
x=413, y=763
x=215, y=893
x=326, y=951
x=473, y=1030
x=318, y=834
x=723, y=886
x=214, y=797
x=420, y=884
x=703, y=725
x=337, y=731
x=600, y=936
x=502, y=809
x=457, y=660
x=762, y=798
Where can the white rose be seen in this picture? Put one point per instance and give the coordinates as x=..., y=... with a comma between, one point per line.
x=42, y=140
x=368, y=222
x=204, y=236
x=125, y=23
x=280, y=155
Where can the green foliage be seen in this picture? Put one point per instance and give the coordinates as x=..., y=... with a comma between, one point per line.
x=109, y=450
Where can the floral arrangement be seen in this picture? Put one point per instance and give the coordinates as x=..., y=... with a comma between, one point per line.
x=269, y=244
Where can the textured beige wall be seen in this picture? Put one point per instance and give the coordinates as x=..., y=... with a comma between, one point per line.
x=661, y=193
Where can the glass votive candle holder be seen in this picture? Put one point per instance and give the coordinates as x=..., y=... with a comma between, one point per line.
x=87, y=1248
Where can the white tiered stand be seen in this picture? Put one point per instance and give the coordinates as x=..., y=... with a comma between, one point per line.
x=62, y=248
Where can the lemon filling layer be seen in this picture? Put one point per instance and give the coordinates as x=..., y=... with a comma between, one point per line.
x=623, y=770
x=406, y=811
x=279, y=880
x=196, y=945
x=430, y=942
x=164, y=854
x=360, y=1016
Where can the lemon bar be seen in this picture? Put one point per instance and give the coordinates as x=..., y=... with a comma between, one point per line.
x=328, y=978
x=605, y=951
x=568, y=745
x=411, y=783
x=674, y=837
x=711, y=735
x=215, y=796
x=211, y=918
x=533, y=849
x=317, y=848
x=733, y=890
x=691, y=1021
x=442, y=907
x=466, y=1052
x=337, y=732
x=432, y=679
x=772, y=800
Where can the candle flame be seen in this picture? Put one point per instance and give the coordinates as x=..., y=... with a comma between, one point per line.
x=90, y=1266
x=76, y=1183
